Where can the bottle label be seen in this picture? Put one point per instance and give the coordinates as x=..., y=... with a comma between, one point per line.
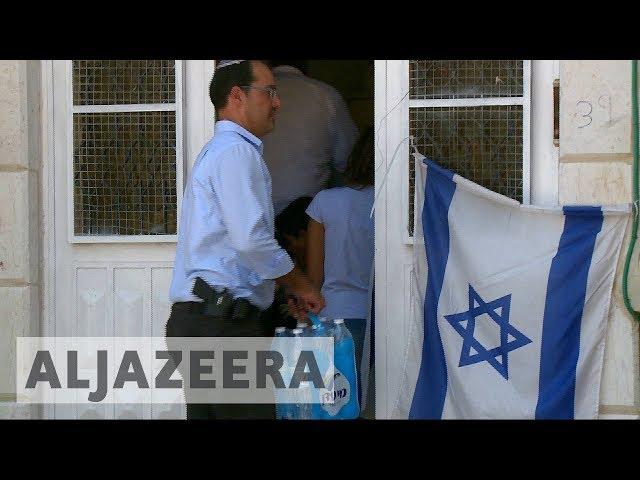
x=341, y=394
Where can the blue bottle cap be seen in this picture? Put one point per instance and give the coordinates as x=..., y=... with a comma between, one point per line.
x=314, y=318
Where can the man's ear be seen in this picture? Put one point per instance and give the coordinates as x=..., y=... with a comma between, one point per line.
x=236, y=94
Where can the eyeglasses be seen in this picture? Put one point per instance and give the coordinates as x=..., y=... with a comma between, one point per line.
x=272, y=91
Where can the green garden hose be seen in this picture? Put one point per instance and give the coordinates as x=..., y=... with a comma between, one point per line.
x=634, y=231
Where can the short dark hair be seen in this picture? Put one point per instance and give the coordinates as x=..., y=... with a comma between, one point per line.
x=360, y=169
x=292, y=219
x=225, y=78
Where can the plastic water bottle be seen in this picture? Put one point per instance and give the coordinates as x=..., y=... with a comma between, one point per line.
x=278, y=344
x=299, y=410
x=302, y=326
x=289, y=411
x=345, y=382
x=322, y=329
x=327, y=324
x=314, y=318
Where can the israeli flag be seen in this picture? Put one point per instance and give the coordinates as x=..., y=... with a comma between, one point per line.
x=515, y=306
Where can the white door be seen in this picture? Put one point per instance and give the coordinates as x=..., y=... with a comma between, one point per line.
x=125, y=134
x=497, y=114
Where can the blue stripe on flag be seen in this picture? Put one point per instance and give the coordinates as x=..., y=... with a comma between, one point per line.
x=566, y=291
x=431, y=386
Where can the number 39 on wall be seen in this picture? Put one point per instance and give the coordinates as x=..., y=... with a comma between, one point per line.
x=584, y=110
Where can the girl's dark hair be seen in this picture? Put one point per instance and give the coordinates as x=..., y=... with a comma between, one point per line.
x=360, y=171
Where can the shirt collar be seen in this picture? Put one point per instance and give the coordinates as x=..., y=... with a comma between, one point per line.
x=229, y=126
x=287, y=69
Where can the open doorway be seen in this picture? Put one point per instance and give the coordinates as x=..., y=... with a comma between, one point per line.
x=354, y=79
x=323, y=135
x=355, y=82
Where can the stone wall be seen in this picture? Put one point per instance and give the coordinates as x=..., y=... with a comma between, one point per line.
x=595, y=168
x=20, y=232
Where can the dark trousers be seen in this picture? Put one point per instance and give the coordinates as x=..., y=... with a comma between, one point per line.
x=185, y=322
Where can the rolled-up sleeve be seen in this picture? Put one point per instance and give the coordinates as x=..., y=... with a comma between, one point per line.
x=244, y=200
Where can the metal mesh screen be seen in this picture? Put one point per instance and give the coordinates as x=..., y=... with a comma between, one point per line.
x=439, y=79
x=482, y=144
x=118, y=82
x=124, y=171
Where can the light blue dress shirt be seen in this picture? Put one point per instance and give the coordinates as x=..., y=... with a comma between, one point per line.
x=226, y=232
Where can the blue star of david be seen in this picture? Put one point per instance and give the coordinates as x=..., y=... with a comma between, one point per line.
x=510, y=337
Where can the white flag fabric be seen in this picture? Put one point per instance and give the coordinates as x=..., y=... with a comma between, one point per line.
x=516, y=302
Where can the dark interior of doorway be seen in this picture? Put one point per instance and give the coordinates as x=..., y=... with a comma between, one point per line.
x=354, y=79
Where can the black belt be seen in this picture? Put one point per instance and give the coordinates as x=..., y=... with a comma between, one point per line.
x=220, y=304
x=236, y=309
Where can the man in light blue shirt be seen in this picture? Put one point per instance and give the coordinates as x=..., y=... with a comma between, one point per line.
x=226, y=234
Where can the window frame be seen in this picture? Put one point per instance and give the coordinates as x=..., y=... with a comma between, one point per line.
x=177, y=107
x=400, y=69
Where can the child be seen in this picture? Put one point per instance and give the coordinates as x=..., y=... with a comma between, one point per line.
x=340, y=243
x=291, y=229
x=291, y=233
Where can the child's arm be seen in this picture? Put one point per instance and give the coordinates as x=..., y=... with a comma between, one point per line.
x=315, y=253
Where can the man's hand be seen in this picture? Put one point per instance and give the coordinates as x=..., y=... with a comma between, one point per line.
x=302, y=302
x=297, y=311
x=308, y=297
